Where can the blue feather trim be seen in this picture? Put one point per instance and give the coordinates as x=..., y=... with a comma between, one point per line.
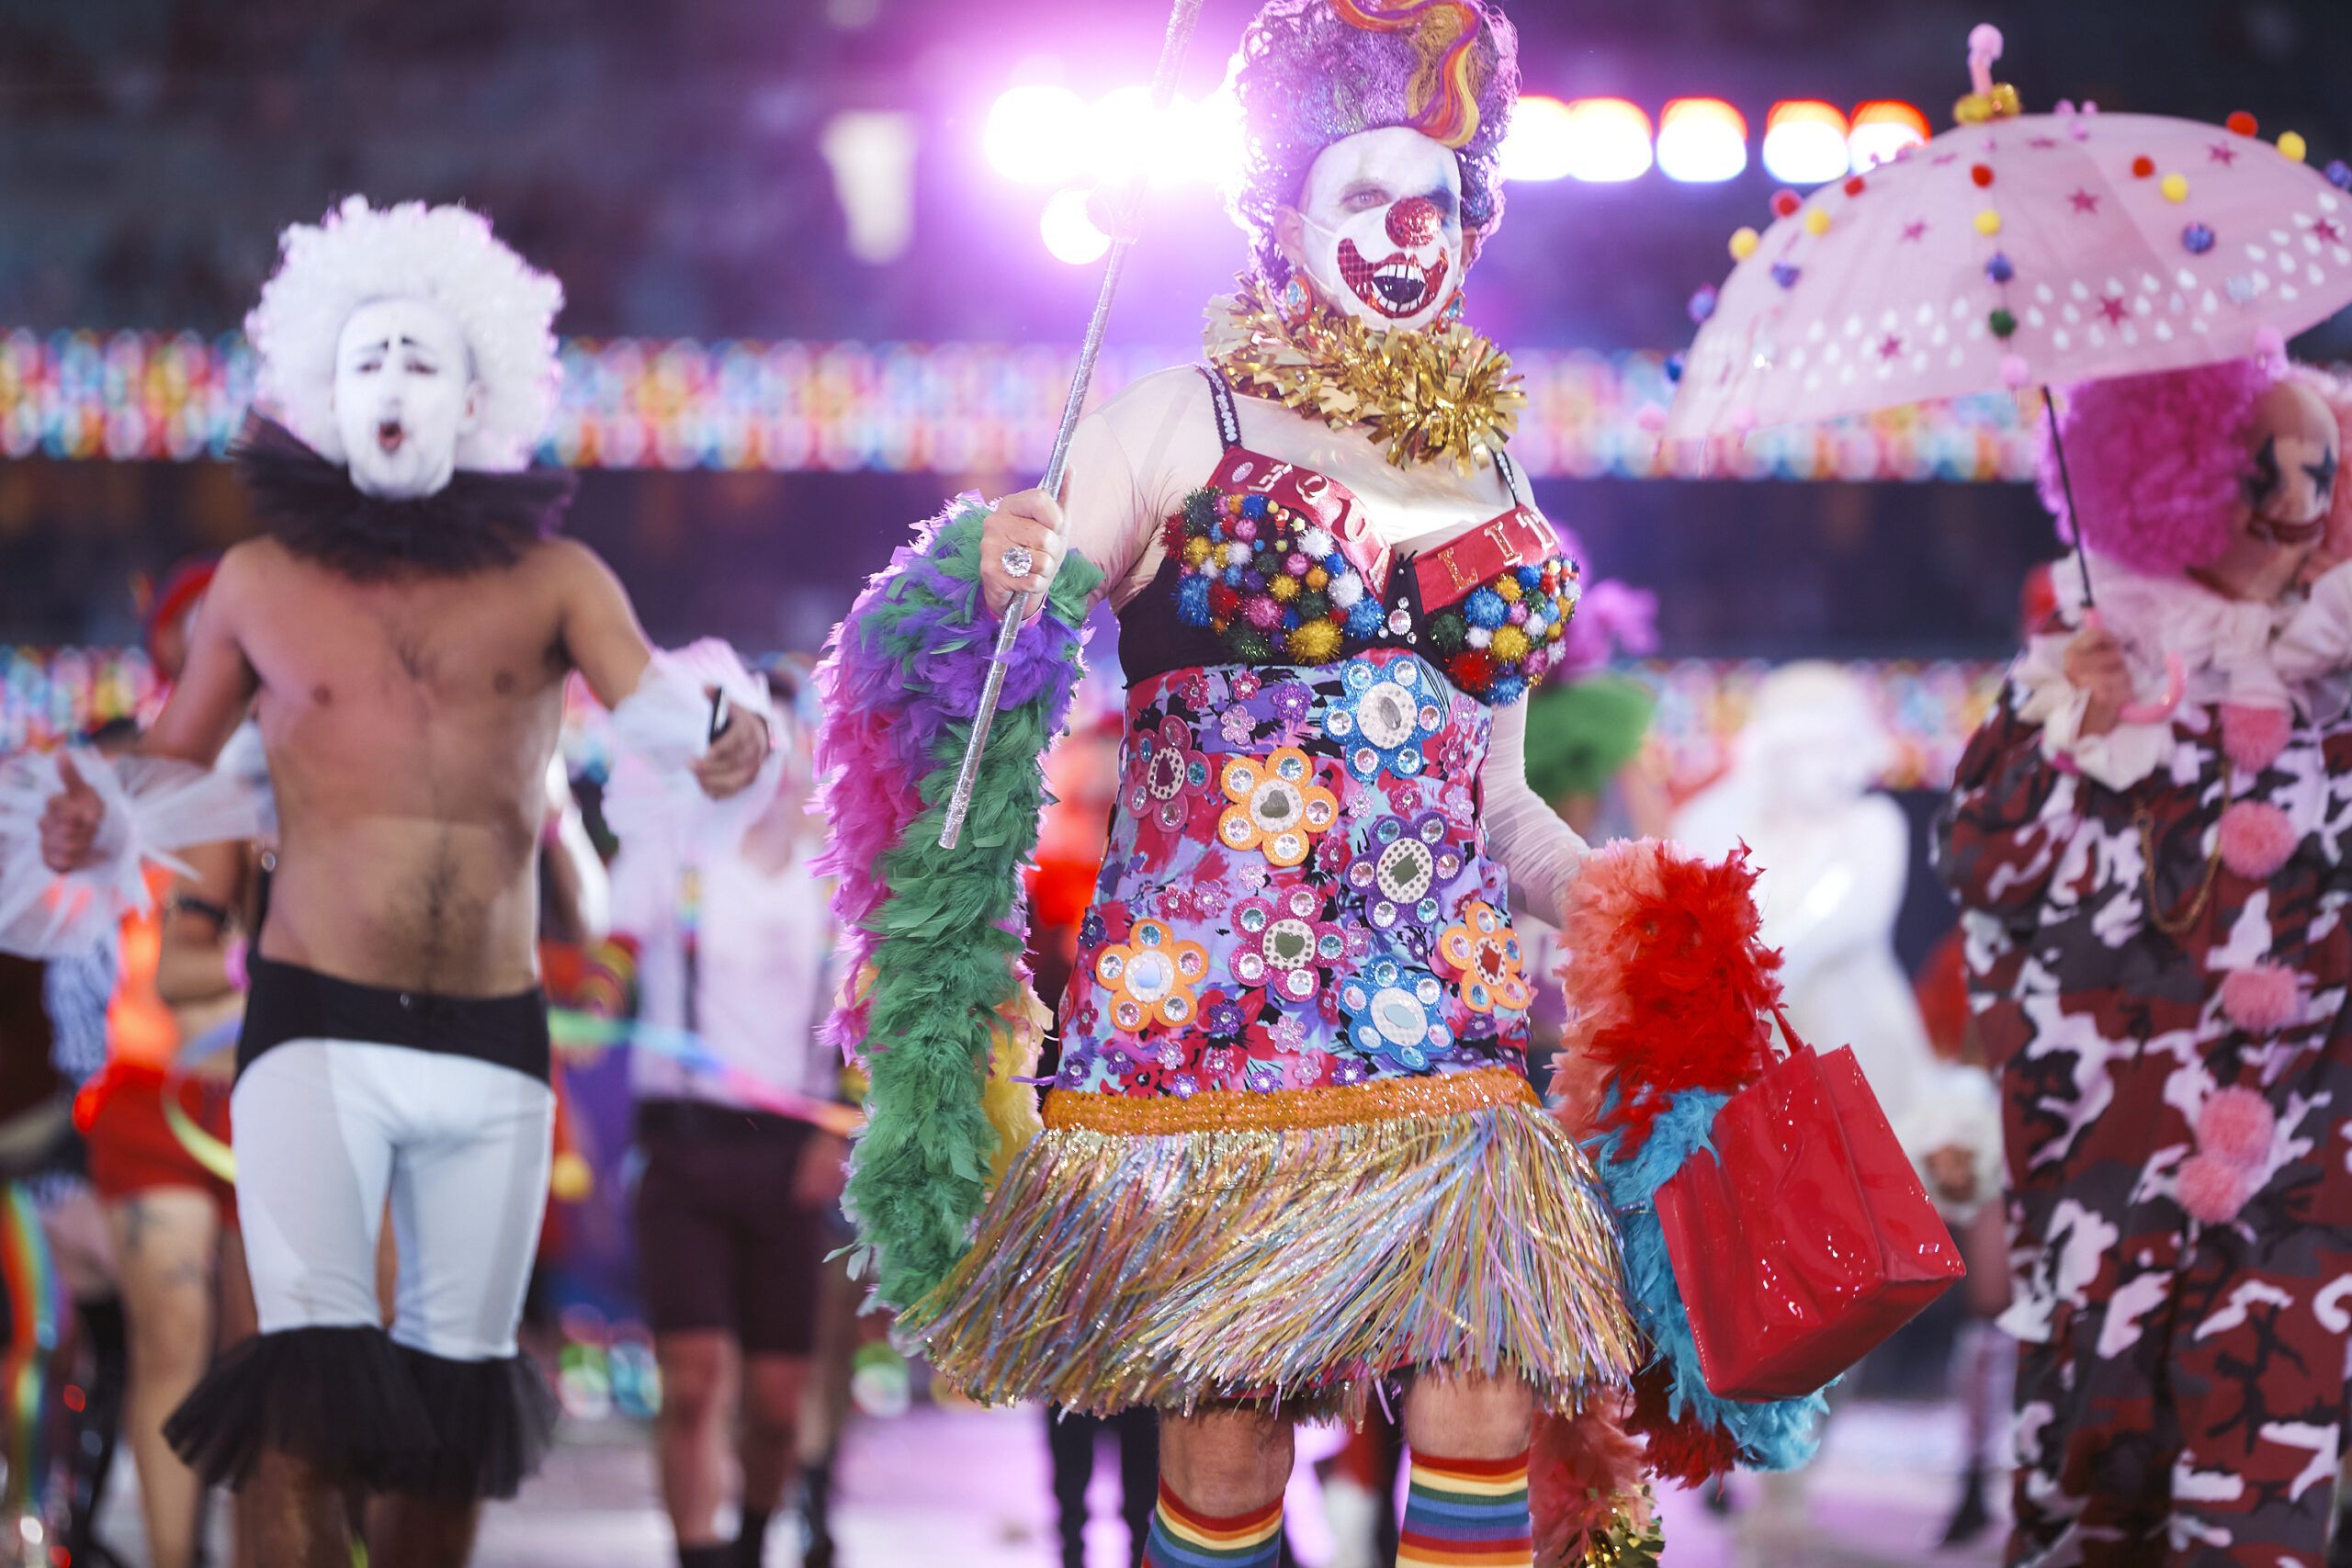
x=1778, y=1435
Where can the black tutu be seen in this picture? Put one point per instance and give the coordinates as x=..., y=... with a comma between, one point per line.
x=366, y=1411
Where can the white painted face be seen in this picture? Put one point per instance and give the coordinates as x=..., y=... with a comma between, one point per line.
x=1378, y=228
x=404, y=392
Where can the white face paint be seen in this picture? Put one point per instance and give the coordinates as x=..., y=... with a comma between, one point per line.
x=1378, y=227
x=404, y=392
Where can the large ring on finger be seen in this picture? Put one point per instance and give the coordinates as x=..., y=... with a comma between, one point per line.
x=1018, y=561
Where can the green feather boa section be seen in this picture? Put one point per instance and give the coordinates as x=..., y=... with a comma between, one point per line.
x=943, y=929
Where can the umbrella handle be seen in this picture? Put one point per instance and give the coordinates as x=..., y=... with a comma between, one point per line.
x=2176, y=685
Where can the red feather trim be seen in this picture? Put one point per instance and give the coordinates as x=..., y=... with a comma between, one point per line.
x=1682, y=1451
x=1670, y=988
x=1582, y=1471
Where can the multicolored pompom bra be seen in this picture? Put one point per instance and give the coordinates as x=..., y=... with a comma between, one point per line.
x=1279, y=563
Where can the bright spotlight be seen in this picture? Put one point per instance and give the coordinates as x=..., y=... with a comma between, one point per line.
x=1882, y=128
x=1608, y=141
x=1804, y=142
x=1540, y=145
x=1206, y=141
x=1036, y=134
x=1069, y=232
x=1701, y=141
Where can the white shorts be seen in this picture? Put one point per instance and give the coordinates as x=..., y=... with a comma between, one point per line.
x=325, y=1128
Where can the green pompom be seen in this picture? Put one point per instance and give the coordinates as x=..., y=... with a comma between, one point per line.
x=1449, y=633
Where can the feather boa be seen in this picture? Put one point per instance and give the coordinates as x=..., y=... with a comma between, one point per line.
x=1672, y=991
x=934, y=936
x=1585, y=1488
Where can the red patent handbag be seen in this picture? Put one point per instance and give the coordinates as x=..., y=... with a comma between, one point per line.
x=1806, y=1238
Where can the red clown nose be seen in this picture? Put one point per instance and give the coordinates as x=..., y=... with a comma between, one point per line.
x=1414, y=222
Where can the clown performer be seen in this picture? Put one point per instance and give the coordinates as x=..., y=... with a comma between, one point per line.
x=2154, y=907
x=1290, y=1151
x=402, y=635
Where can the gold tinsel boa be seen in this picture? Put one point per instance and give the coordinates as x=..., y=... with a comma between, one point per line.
x=1442, y=392
x=1286, y=1247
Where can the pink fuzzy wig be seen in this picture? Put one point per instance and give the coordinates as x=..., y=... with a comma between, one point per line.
x=2158, y=461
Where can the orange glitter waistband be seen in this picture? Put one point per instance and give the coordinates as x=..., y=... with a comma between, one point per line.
x=1240, y=1111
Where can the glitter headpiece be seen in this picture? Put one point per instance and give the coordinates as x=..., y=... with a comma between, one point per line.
x=1310, y=73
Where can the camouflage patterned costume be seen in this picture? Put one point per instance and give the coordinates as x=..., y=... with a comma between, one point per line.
x=2181, y=1387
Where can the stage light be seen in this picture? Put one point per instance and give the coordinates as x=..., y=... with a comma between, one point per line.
x=1701, y=141
x=1882, y=128
x=1205, y=143
x=1069, y=232
x=1605, y=141
x=1539, y=144
x=1804, y=142
x=1036, y=134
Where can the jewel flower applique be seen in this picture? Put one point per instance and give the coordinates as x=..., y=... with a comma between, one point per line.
x=1277, y=805
x=1384, y=713
x=1283, y=941
x=1162, y=765
x=1482, y=952
x=1151, y=976
x=1393, y=1014
x=1403, y=866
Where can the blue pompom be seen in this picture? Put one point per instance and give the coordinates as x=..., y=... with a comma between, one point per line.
x=2000, y=269
x=1253, y=506
x=1673, y=368
x=2339, y=174
x=1364, y=618
x=1485, y=607
x=1506, y=690
x=1193, y=600
x=1234, y=574
x=1335, y=563
x=1531, y=578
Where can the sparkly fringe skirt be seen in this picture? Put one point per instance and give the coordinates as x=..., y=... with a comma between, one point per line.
x=1286, y=1248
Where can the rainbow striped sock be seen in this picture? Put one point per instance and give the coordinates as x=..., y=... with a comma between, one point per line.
x=1467, y=1513
x=1182, y=1539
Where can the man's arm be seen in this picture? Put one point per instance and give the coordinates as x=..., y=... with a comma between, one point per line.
x=604, y=643
x=207, y=703
x=217, y=685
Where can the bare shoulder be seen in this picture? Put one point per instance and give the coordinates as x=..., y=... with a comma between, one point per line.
x=1178, y=392
x=570, y=565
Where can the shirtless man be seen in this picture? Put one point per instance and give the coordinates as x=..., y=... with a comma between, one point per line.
x=402, y=637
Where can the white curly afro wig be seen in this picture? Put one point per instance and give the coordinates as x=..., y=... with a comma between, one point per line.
x=443, y=254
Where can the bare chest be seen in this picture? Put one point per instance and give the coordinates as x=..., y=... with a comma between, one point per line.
x=396, y=659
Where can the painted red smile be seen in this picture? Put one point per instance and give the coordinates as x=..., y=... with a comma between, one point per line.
x=1396, y=287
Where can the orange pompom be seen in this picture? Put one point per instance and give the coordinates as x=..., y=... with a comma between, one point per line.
x=1982, y=174
x=2240, y=122
x=2143, y=166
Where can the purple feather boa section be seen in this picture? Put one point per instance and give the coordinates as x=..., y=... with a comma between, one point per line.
x=899, y=682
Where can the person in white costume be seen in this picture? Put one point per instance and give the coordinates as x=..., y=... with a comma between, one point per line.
x=402, y=636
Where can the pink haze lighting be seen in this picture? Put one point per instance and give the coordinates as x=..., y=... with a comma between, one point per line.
x=1701, y=141
x=1036, y=135
x=1882, y=128
x=1804, y=142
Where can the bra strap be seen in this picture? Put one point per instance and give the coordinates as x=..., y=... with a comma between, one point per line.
x=1509, y=471
x=1229, y=422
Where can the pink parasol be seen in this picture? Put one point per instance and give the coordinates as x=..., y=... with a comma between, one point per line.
x=2032, y=249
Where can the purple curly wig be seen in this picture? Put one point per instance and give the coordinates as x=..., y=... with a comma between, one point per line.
x=2158, y=461
x=1306, y=76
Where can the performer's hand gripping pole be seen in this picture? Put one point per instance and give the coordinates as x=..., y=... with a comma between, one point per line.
x=1163, y=90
